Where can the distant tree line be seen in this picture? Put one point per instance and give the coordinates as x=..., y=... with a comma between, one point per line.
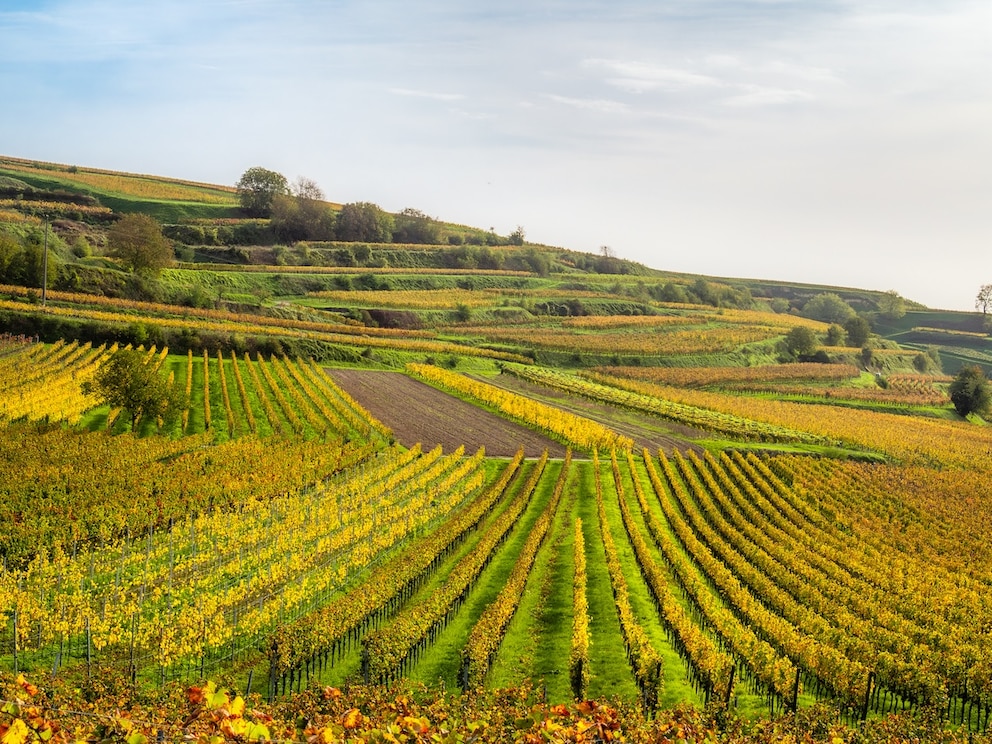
x=298, y=212
x=702, y=292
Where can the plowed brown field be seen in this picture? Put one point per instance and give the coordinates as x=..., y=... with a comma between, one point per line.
x=416, y=412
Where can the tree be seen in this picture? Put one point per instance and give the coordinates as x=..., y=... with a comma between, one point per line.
x=858, y=329
x=835, y=334
x=364, y=222
x=829, y=308
x=302, y=214
x=137, y=240
x=800, y=341
x=984, y=299
x=23, y=262
x=413, y=226
x=672, y=292
x=703, y=292
x=517, y=236
x=128, y=381
x=970, y=391
x=891, y=305
x=257, y=188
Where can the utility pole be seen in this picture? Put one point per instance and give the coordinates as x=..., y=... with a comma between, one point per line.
x=44, y=270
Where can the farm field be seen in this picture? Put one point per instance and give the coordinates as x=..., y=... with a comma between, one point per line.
x=399, y=500
x=419, y=413
x=753, y=580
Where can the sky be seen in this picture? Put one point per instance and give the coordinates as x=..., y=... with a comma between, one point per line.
x=839, y=142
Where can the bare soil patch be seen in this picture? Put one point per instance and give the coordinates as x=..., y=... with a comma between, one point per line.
x=417, y=412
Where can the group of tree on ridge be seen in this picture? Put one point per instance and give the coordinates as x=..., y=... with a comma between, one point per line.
x=298, y=211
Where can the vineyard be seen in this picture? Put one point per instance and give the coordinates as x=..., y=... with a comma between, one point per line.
x=761, y=582
x=387, y=502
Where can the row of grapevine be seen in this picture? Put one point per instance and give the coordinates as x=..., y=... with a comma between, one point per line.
x=157, y=308
x=772, y=671
x=821, y=596
x=484, y=641
x=644, y=659
x=696, y=336
x=387, y=651
x=316, y=638
x=707, y=663
x=790, y=627
x=714, y=376
x=290, y=394
x=603, y=389
x=44, y=382
x=574, y=430
x=866, y=631
x=578, y=657
x=213, y=587
x=259, y=326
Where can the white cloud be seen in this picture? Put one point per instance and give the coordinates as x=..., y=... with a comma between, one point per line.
x=447, y=97
x=759, y=95
x=639, y=77
x=601, y=105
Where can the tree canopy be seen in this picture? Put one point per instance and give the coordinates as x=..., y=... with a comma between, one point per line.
x=801, y=341
x=22, y=262
x=257, y=188
x=984, y=299
x=858, y=329
x=413, y=226
x=828, y=307
x=127, y=380
x=970, y=391
x=892, y=305
x=302, y=214
x=137, y=240
x=364, y=221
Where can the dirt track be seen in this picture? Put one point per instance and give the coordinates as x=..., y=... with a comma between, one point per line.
x=416, y=412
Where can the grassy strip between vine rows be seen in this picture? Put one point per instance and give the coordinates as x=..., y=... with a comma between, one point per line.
x=385, y=652
x=484, y=641
x=644, y=659
x=320, y=635
x=708, y=664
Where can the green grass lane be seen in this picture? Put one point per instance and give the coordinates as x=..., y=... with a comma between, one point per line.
x=677, y=686
x=539, y=638
x=347, y=668
x=609, y=672
x=218, y=416
x=441, y=663
x=676, y=669
x=195, y=422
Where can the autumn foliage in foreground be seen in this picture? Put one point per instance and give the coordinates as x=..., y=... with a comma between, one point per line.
x=208, y=714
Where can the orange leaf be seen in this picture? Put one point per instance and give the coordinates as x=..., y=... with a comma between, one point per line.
x=195, y=695
x=29, y=688
x=586, y=707
x=352, y=719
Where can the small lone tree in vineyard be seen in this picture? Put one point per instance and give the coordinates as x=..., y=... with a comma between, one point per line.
x=127, y=380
